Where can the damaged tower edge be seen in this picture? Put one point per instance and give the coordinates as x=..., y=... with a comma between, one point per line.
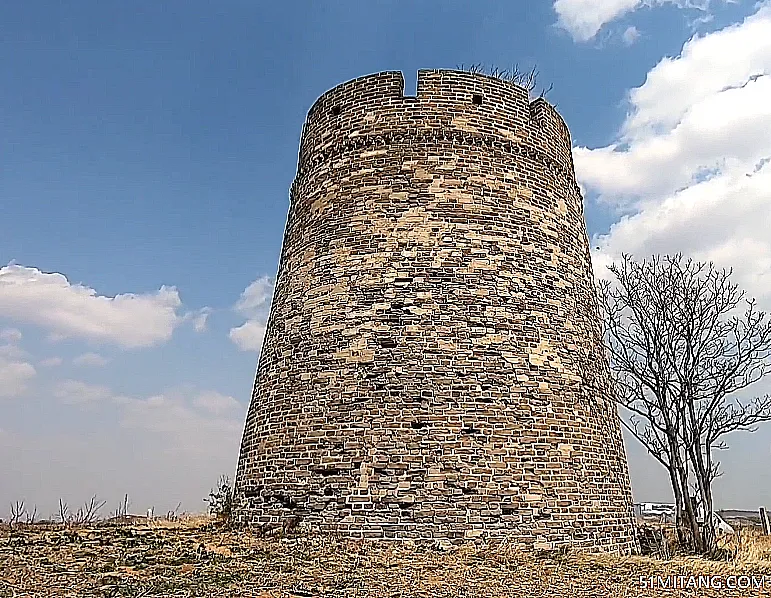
x=433, y=364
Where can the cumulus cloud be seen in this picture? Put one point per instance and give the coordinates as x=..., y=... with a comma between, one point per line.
x=75, y=392
x=51, y=362
x=15, y=370
x=583, y=19
x=14, y=376
x=200, y=319
x=10, y=351
x=255, y=296
x=249, y=336
x=254, y=304
x=90, y=359
x=630, y=35
x=74, y=310
x=691, y=167
x=216, y=403
x=11, y=335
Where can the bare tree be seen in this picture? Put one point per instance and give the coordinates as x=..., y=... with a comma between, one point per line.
x=89, y=512
x=18, y=512
x=64, y=512
x=31, y=517
x=122, y=509
x=683, y=340
x=174, y=514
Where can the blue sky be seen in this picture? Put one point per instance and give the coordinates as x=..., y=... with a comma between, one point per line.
x=146, y=151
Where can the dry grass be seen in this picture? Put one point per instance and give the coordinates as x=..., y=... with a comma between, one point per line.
x=198, y=558
x=749, y=546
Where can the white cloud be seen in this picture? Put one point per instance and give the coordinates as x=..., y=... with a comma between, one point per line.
x=143, y=446
x=90, y=359
x=10, y=350
x=195, y=425
x=727, y=130
x=723, y=220
x=200, y=319
x=74, y=310
x=216, y=403
x=692, y=163
x=584, y=18
x=75, y=392
x=706, y=66
x=185, y=420
x=249, y=336
x=51, y=362
x=630, y=35
x=255, y=296
x=15, y=371
x=13, y=352
x=201, y=424
x=14, y=376
x=12, y=335
x=254, y=303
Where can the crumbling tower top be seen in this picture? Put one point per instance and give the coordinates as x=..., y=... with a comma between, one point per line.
x=446, y=100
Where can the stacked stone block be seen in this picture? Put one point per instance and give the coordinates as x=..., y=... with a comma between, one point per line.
x=433, y=364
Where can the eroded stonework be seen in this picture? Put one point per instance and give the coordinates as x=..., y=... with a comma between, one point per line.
x=433, y=364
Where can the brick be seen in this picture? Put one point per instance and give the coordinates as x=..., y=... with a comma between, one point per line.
x=434, y=313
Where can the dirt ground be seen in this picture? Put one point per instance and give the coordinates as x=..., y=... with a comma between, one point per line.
x=199, y=558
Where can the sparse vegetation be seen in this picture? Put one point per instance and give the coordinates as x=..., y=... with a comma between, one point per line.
x=89, y=512
x=198, y=557
x=173, y=515
x=220, y=500
x=526, y=79
x=121, y=511
x=85, y=555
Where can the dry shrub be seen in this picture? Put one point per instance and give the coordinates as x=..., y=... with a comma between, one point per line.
x=221, y=500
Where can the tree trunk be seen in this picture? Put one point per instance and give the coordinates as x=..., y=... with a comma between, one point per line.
x=693, y=524
x=680, y=522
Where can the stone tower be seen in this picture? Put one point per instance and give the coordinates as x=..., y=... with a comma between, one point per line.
x=433, y=363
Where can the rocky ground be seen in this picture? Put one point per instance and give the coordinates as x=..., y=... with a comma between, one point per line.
x=200, y=558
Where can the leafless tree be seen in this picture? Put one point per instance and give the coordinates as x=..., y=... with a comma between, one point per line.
x=174, y=514
x=122, y=508
x=30, y=517
x=683, y=340
x=64, y=512
x=89, y=512
x=18, y=512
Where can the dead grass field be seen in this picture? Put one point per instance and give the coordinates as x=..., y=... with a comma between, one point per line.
x=199, y=558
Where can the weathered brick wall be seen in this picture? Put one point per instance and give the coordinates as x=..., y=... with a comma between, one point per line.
x=433, y=364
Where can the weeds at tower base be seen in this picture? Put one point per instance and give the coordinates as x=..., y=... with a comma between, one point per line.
x=220, y=500
x=203, y=557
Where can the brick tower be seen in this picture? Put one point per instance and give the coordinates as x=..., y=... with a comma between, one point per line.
x=433, y=363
